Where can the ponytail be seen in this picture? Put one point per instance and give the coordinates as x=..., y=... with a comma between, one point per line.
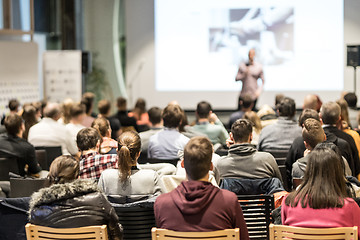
x=125, y=162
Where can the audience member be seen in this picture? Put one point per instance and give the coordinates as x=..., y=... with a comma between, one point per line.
x=246, y=104
x=12, y=145
x=77, y=114
x=71, y=203
x=208, y=123
x=65, y=110
x=351, y=100
x=140, y=114
x=166, y=143
x=280, y=135
x=322, y=200
x=13, y=108
x=196, y=205
x=310, y=102
x=88, y=100
x=29, y=116
x=243, y=160
x=108, y=145
x=92, y=163
x=156, y=125
x=257, y=127
x=122, y=115
x=267, y=115
x=129, y=180
x=49, y=132
x=104, y=107
x=186, y=129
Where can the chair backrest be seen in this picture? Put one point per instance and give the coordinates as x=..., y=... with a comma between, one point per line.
x=24, y=187
x=8, y=165
x=155, y=160
x=163, y=234
x=286, y=232
x=52, y=152
x=257, y=213
x=34, y=232
x=41, y=157
x=278, y=153
x=136, y=221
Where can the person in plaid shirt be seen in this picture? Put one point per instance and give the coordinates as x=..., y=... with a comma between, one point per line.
x=92, y=163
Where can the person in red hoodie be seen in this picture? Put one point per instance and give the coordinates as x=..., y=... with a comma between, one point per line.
x=196, y=205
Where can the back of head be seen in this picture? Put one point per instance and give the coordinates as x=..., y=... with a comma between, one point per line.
x=76, y=110
x=129, y=149
x=310, y=102
x=52, y=110
x=330, y=113
x=246, y=101
x=241, y=130
x=278, y=98
x=14, y=105
x=63, y=169
x=102, y=125
x=286, y=107
x=87, y=138
x=344, y=110
x=154, y=115
x=312, y=132
x=104, y=107
x=254, y=119
x=65, y=109
x=197, y=157
x=203, y=109
x=172, y=116
x=351, y=99
x=88, y=100
x=13, y=124
x=308, y=113
x=29, y=114
x=121, y=103
x=140, y=106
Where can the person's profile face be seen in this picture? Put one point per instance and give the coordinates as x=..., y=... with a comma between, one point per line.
x=251, y=54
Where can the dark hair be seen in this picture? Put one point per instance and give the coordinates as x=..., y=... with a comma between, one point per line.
x=286, y=107
x=351, y=99
x=246, y=101
x=121, y=102
x=241, y=130
x=13, y=104
x=197, y=157
x=104, y=106
x=13, y=123
x=29, y=116
x=308, y=113
x=87, y=138
x=63, y=169
x=66, y=109
x=330, y=112
x=344, y=111
x=154, y=115
x=140, y=107
x=102, y=125
x=203, y=109
x=278, y=98
x=129, y=148
x=312, y=132
x=324, y=183
x=88, y=100
x=184, y=122
x=172, y=116
x=77, y=109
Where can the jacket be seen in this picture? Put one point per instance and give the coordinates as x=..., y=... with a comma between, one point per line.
x=75, y=204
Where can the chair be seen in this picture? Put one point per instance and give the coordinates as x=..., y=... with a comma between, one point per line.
x=8, y=165
x=286, y=232
x=52, y=152
x=163, y=234
x=171, y=161
x=24, y=187
x=278, y=153
x=34, y=232
x=41, y=157
x=257, y=213
x=284, y=177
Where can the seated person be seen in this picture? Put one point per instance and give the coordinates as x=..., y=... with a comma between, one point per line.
x=246, y=104
x=122, y=115
x=156, y=125
x=12, y=145
x=196, y=205
x=322, y=200
x=104, y=107
x=77, y=114
x=108, y=145
x=92, y=163
x=59, y=205
x=243, y=160
x=166, y=143
x=129, y=179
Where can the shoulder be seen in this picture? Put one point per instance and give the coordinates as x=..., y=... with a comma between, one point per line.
x=163, y=200
x=228, y=197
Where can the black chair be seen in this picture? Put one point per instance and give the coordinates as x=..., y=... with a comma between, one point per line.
x=257, y=213
x=51, y=154
x=24, y=187
x=284, y=176
x=8, y=165
x=137, y=221
x=171, y=161
x=278, y=153
x=41, y=157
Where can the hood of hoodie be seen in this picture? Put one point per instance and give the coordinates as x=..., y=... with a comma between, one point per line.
x=243, y=149
x=191, y=197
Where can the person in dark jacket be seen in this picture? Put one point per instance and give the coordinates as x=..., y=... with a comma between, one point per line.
x=70, y=203
x=197, y=205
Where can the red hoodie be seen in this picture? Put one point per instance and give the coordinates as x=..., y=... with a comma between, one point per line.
x=197, y=206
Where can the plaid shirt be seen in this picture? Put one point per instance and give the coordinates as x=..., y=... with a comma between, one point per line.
x=92, y=164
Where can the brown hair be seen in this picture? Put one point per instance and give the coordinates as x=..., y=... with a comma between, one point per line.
x=140, y=107
x=29, y=116
x=63, y=169
x=330, y=112
x=344, y=112
x=87, y=138
x=254, y=119
x=128, y=151
x=324, y=182
x=66, y=109
x=308, y=113
x=172, y=116
x=241, y=130
x=13, y=124
x=104, y=106
x=312, y=132
x=197, y=157
x=203, y=109
x=102, y=125
x=77, y=109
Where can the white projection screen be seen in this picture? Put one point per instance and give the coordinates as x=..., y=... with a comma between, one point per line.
x=199, y=44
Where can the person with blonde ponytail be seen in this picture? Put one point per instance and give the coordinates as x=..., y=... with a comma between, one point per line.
x=129, y=179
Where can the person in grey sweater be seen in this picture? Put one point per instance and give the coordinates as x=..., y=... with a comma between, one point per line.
x=243, y=160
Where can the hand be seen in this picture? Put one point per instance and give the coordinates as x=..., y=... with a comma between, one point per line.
x=306, y=152
x=229, y=142
x=213, y=118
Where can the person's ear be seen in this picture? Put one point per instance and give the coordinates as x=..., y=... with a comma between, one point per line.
x=231, y=136
x=182, y=163
x=307, y=146
x=211, y=166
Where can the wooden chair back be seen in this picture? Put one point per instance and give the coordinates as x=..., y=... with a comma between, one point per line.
x=34, y=232
x=287, y=232
x=164, y=234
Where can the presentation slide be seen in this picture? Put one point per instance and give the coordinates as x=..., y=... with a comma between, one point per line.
x=199, y=44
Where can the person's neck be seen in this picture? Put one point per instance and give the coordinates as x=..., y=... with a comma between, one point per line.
x=92, y=150
x=204, y=179
x=75, y=121
x=202, y=120
x=159, y=125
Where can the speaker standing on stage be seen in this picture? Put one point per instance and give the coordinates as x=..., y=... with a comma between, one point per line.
x=249, y=73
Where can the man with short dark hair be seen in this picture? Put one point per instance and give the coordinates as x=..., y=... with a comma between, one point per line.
x=243, y=160
x=209, y=124
x=351, y=100
x=92, y=163
x=13, y=108
x=155, y=126
x=246, y=104
x=166, y=143
x=12, y=145
x=122, y=114
x=196, y=205
x=280, y=135
x=104, y=107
